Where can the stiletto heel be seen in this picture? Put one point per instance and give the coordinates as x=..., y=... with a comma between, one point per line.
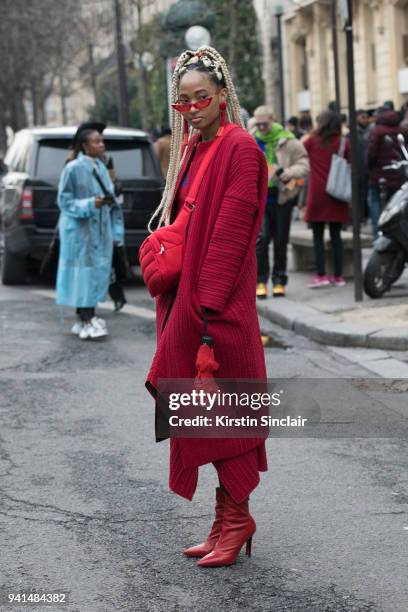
x=248, y=547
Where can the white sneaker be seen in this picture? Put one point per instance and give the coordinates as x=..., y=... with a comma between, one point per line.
x=77, y=328
x=92, y=332
x=98, y=322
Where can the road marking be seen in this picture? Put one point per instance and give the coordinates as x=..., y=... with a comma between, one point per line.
x=131, y=309
x=136, y=311
x=48, y=293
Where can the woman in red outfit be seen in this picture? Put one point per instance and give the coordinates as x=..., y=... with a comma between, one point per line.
x=217, y=282
x=321, y=208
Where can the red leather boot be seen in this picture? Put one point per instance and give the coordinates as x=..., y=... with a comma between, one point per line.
x=238, y=527
x=203, y=549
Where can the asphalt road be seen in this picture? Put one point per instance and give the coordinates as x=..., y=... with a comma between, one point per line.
x=85, y=507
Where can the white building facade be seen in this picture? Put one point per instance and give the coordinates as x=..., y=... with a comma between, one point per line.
x=380, y=55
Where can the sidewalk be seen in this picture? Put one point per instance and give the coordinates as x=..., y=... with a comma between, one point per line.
x=331, y=316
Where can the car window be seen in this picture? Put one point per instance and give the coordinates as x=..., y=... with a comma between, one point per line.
x=131, y=159
x=51, y=158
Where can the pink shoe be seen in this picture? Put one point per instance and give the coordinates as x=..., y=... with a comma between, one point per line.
x=320, y=280
x=338, y=281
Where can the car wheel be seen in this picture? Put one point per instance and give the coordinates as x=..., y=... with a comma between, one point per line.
x=13, y=268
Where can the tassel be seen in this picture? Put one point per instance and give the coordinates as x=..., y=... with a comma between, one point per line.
x=205, y=362
x=223, y=117
x=206, y=367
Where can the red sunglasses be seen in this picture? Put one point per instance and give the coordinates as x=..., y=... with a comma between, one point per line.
x=185, y=107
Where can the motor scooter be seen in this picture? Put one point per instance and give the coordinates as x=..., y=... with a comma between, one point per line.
x=390, y=252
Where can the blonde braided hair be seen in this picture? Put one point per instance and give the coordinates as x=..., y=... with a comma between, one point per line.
x=207, y=60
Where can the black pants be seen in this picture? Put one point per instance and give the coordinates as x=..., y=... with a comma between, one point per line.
x=275, y=225
x=116, y=292
x=337, y=246
x=119, y=273
x=85, y=314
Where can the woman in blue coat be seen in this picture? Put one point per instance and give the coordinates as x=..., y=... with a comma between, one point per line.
x=90, y=222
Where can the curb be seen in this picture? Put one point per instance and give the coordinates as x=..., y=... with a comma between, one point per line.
x=327, y=329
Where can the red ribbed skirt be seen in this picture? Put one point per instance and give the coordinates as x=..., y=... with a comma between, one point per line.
x=239, y=474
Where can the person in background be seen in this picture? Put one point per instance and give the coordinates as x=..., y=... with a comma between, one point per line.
x=321, y=208
x=251, y=126
x=287, y=161
x=153, y=134
x=404, y=115
x=363, y=122
x=120, y=264
x=306, y=125
x=119, y=261
x=388, y=105
x=345, y=129
x=292, y=125
x=90, y=221
x=162, y=150
x=379, y=154
x=245, y=116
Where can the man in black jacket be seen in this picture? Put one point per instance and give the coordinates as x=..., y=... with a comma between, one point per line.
x=379, y=154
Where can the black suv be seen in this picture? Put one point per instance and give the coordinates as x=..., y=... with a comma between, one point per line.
x=28, y=207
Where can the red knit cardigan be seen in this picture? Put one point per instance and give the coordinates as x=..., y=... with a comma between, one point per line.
x=219, y=273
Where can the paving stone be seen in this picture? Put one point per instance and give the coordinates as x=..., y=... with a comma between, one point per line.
x=388, y=368
x=359, y=355
x=330, y=329
x=284, y=312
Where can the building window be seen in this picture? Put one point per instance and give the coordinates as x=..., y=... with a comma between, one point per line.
x=373, y=58
x=303, y=66
x=371, y=41
x=405, y=36
x=370, y=55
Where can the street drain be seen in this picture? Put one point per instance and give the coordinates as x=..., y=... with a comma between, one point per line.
x=269, y=341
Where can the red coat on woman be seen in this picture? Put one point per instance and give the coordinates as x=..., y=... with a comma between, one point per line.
x=219, y=273
x=319, y=205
